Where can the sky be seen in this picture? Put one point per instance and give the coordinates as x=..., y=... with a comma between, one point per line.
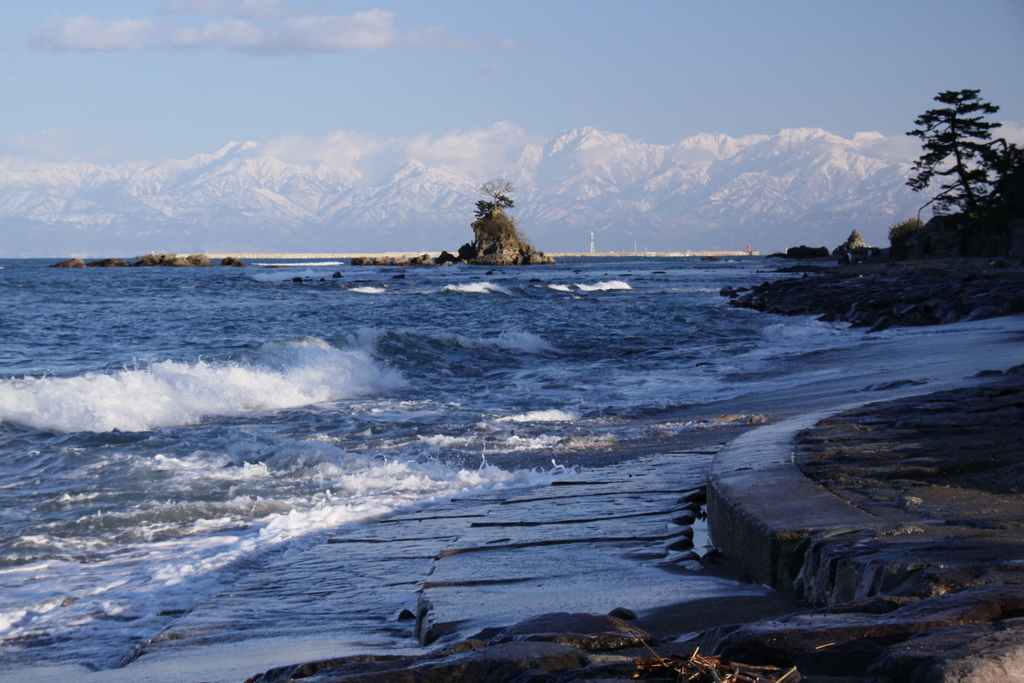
x=118, y=81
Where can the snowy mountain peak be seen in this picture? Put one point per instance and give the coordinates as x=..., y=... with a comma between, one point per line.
x=584, y=138
x=708, y=191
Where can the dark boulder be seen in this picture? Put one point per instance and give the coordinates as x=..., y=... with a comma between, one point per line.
x=445, y=258
x=494, y=664
x=70, y=263
x=805, y=252
x=108, y=263
x=231, y=261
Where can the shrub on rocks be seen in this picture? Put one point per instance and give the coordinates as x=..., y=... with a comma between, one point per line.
x=899, y=234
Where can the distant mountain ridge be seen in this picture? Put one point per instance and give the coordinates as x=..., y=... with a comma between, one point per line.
x=709, y=191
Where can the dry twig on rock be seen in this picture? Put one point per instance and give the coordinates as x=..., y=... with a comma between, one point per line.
x=704, y=668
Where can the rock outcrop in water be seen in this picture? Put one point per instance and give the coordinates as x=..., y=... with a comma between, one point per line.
x=496, y=238
x=497, y=242
x=161, y=260
x=175, y=260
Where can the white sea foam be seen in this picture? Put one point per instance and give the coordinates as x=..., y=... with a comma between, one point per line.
x=542, y=416
x=605, y=286
x=368, y=290
x=172, y=573
x=169, y=393
x=477, y=288
x=521, y=342
x=561, y=288
x=529, y=443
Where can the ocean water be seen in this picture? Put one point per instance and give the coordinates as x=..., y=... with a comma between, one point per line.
x=164, y=432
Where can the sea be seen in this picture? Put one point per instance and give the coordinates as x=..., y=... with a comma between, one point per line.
x=164, y=432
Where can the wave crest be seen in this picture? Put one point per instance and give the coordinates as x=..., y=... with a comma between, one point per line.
x=170, y=393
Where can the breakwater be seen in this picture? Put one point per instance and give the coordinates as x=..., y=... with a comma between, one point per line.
x=409, y=254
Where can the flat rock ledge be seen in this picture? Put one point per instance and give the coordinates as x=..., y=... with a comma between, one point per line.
x=911, y=548
x=899, y=522
x=551, y=647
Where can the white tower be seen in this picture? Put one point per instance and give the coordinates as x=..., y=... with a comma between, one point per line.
x=591, y=242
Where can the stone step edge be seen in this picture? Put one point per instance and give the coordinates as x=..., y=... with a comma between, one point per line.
x=760, y=506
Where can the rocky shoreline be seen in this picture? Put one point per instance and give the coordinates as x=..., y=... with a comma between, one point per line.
x=882, y=295
x=925, y=587
x=919, y=578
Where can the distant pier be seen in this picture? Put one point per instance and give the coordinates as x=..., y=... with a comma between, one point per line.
x=652, y=253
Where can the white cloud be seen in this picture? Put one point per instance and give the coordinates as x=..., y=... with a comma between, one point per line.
x=87, y=33
x=255, y=26
x=234, y=34
x=340, y=149
x=371, y=30
x=46, y=145
x=1011, y=132
x=246, y=9
x=893, y=149
x=483, y=151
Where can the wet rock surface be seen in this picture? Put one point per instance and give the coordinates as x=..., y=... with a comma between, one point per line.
x=928, y=587
x=932, y=587
x=502, y=662
x=933, y=458
x=513, y=584
x=879, y=296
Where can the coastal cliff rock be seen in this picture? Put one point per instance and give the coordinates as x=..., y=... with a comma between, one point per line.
x=498, y=243
x=70, y=263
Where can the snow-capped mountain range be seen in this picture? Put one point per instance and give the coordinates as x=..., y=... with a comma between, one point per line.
x=707, y=192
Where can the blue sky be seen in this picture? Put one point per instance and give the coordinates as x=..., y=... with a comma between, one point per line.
x=118, y=81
